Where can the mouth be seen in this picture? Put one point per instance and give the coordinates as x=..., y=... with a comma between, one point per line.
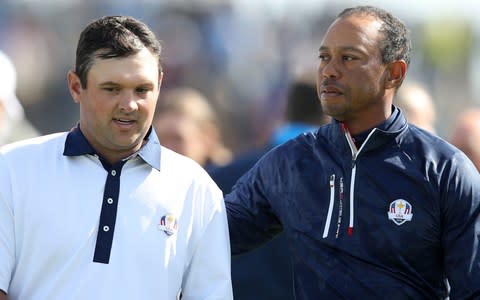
x=125, y=122
x=330, y=91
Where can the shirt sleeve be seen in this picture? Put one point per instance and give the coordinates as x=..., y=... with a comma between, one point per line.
x=251, y=219
x=208, y=274
x=462, y=230
x=7, y=239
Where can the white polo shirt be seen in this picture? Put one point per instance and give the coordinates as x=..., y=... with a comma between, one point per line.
x=72, y=228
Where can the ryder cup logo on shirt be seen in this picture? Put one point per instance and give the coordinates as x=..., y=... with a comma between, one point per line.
x=168, y=224
x=400, y=211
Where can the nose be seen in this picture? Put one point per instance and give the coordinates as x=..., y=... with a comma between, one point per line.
x=329, y=69
x=128, y=102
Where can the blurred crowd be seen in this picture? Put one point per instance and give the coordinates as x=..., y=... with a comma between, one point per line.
x=240, y=54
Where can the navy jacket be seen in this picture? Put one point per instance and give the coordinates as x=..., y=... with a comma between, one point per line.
x=391, y=220
x=266, y=272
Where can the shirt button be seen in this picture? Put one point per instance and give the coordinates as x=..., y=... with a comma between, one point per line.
x=109, y=200
x=114, y=172
x=106, y=228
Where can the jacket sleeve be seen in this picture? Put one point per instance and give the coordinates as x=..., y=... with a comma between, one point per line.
x=208, y=273
x=251, y=219
x=7, y=240
x=462, y=229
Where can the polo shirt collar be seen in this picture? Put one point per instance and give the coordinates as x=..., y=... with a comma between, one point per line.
x=76, y=144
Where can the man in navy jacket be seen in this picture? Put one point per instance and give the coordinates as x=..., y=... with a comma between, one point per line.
x=372, y=207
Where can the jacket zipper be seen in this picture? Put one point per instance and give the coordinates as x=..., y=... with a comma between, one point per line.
x=355, y=153
x=330, y=206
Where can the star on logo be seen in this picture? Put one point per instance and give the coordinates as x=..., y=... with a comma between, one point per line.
x=400, y=211
x=168, y=224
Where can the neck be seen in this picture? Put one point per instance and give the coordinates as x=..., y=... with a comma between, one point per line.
x=362, y=122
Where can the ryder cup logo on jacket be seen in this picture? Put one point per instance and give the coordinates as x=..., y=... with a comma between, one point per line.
x=400, y=211
x=168, y=224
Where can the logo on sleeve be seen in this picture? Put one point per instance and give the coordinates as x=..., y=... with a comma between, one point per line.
x=168, y=224
x=400, y=211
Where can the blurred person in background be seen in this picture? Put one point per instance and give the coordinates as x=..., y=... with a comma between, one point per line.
x=466, y=134
x=417, y=104
x=186, y=123
x=272, y=278
x=372, y=207
x=103, y=211
x=14, y=125
x=303, y=113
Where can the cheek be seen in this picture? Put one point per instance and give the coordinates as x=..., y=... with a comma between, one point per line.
x=95, y=103
x=147, y=108
x=367, y=82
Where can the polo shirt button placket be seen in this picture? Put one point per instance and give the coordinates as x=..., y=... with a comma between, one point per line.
x=108, y=214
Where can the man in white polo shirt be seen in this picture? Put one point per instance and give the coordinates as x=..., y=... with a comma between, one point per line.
x=103, y=211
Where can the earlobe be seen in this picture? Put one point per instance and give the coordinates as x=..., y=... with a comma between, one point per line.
x=74, y=85
x=396, y=74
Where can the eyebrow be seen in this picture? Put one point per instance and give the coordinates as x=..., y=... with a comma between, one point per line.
x=343, y=48
x=108, y=83
x=112, y=83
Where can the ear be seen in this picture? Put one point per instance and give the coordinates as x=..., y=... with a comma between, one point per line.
x=160, y=78
x=396, y=72
x=74, y=86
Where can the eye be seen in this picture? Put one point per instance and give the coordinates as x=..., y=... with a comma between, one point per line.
x=348, y=58
x=142, y=90
x=110, y=89
x=323, y=57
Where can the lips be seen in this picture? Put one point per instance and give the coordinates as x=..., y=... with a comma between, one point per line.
x=332, y=90
x=124, y=121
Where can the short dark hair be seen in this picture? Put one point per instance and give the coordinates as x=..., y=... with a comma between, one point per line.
x=397, y=44
x=113, y=36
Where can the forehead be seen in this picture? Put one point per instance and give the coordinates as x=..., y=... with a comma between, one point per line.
x=355, y=31
x=140, y=66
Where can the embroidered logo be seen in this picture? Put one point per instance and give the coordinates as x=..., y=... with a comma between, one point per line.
x=400, y=211
x=168, y=224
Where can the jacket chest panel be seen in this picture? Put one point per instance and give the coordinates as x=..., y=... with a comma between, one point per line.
x=390, y=206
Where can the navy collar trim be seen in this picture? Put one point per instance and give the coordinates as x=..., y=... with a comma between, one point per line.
x=76, y=144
